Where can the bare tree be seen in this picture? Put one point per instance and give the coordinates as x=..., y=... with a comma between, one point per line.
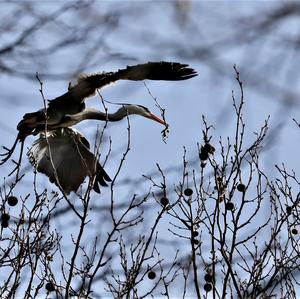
x=216, y=217
x=216, y=225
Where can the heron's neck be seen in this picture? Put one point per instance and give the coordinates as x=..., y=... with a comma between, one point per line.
x=90, y=113
x=119, y=114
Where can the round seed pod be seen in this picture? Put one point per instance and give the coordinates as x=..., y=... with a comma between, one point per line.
x=151, y=275
x=195, y=241
x=188, y=192
x=229, y=206
x=195, y=233
x=5, y=217
x=50, y=287
x=12, y=200
x=208, y=287
x=241, y=187
x=4, y=224
x=294, y=231
x=208, y=277
x=164, y=201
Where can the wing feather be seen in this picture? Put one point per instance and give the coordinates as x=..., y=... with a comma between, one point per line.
x=70, y=161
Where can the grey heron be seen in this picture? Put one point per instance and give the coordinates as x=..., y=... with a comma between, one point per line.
x=73, y=101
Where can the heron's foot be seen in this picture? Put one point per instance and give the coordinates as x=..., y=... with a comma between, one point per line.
x=6, y=156
x=9, y=153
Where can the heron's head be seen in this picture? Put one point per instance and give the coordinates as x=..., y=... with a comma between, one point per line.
x=143, y=111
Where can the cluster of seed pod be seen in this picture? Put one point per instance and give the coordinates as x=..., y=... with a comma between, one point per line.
x=206, y=150
x=229, y=206
x=289, y=210
x=208, y=282
x=5, y=217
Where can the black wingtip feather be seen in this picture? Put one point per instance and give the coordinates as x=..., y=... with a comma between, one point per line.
x=163, y=70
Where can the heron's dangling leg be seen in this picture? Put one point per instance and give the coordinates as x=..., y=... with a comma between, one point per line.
x=9, y=152
x=18, y=164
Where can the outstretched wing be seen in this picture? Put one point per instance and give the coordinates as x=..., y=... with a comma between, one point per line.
x=66, y=160
x=87, y=85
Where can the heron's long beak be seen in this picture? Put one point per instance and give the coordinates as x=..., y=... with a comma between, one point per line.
x=157, y=119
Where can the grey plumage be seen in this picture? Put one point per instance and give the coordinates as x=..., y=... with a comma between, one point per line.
x=65, y=158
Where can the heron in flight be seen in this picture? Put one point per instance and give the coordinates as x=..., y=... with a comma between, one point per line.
x=64, y=151
x=70, y=107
